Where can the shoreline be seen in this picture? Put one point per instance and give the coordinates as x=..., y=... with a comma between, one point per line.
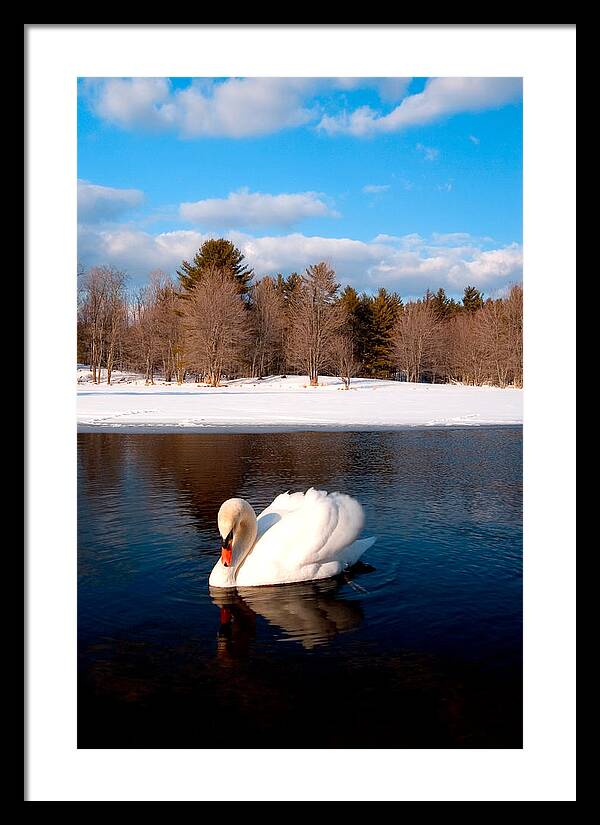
x=266, y=429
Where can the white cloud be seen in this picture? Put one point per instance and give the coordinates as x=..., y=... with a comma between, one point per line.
x=375, y=188
x=131, y=102
x=296, y=251
x=358, y=123
x=409, y=264
x=383, y=238
x=441, y=97
x=243, y=107
x=474, y=140
x=232, y=108
x=235, y=107
x=244, y=208
x=135, y=251
x=429, y=152
x=411, y=272
x=496, y=266
x=104, y=203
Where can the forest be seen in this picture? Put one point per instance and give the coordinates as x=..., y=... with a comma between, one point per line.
x=219, y=321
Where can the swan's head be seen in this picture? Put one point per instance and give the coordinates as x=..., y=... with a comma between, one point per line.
x=237, y=525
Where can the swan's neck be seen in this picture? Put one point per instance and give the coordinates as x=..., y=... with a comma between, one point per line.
x=244, y=538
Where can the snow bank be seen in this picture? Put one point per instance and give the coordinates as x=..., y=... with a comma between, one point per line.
x=278, y=404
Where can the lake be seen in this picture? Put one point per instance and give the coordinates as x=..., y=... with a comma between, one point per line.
x=421, y=647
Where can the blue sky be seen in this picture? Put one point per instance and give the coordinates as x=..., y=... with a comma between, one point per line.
x=397, y=182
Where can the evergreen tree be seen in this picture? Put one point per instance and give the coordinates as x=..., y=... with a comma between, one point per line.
x=350, y=303
x=286, y=286
x=349, y=348
x=364, y=332
x=444, y=306
x=216, y=254
x=440, y=303
x=453, y=308
x=472, y=299
x=378, y=322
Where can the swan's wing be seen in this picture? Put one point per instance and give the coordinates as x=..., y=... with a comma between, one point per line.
x=305, y=537
x=284, y=504
x=350, y=521
x=281, y=506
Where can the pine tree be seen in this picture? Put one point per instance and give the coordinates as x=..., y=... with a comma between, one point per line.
x=286, y=286
x=216, y=254
x=350, y=303
x=472, y=299
x=441, y=303
x=385, y=308
x=364, y=332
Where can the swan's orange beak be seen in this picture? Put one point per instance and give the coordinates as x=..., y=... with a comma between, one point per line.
x=226, y=555
x=226, y=549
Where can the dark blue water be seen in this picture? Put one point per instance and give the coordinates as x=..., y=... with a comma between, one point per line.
x=421, y=647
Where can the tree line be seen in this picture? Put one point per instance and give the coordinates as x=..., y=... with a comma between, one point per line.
x=218, y=321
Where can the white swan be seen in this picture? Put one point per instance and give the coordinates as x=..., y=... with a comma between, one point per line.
x=299, y=537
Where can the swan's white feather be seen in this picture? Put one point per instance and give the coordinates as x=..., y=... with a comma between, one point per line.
x=304, y=536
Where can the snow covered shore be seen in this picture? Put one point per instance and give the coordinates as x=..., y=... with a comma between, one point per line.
x=277, y=404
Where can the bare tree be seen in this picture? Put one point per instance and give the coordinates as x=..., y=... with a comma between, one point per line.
x=315, y=321
x=414, y=338
x=439, y=361
x=342, y=358
x=145, y=331
x=167, y=326
x=487, y=343
x=268, y=322
x=514, y=315
x=172, y=334
x=490, y=329
x=216, y=325
x=92, y=301
x=102, y=314
x=469, y=352
x=116, y=319
x=156, y=332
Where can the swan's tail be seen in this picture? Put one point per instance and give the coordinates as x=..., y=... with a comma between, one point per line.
x=354, y=551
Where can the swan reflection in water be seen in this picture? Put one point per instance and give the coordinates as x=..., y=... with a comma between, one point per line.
x=311, y=613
